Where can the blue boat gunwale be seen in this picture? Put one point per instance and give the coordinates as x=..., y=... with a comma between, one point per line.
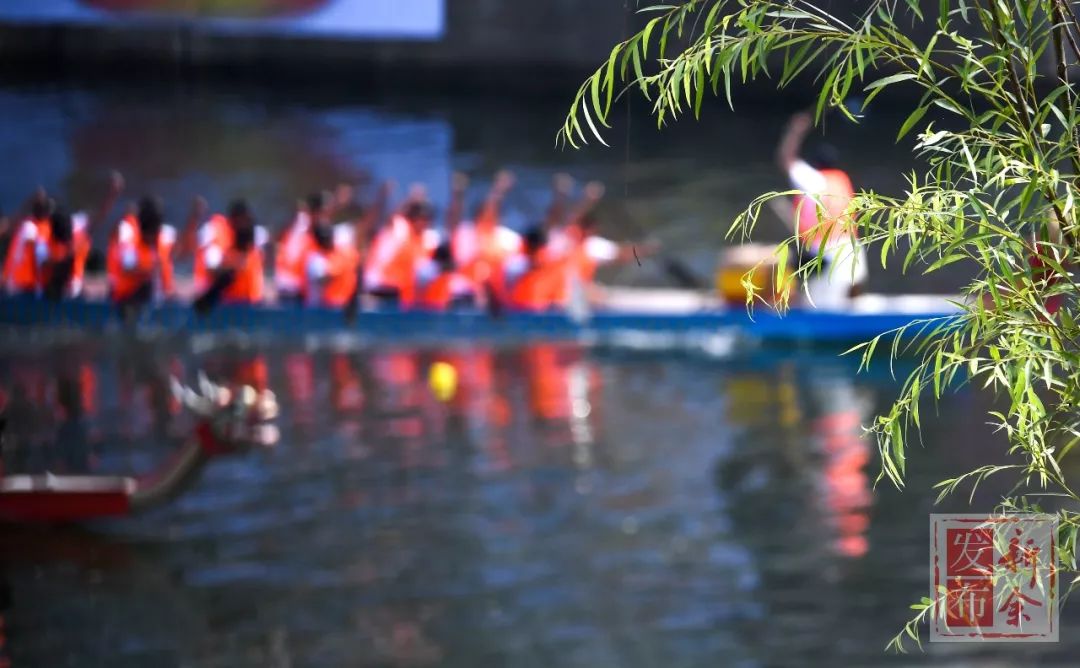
x=795, y=324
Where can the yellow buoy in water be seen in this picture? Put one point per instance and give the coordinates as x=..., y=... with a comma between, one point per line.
x=443, y=379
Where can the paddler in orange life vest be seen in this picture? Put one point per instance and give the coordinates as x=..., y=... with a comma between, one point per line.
x=140, y=256
x=21, y=273
x=335, y=253
x=20, y=266
x=214, y=238
x=295, y=241
x=580, y=251
x=534, y=280
x=331, y=266
x=293, y=245
x=61, y=256
x=232, y=259
x=400, y=249
x=825, y=229
x=446, y=287
x=482, y=246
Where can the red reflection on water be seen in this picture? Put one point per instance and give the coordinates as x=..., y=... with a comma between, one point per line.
x=252, y=371
x=378, y=402
x=299, y=390
x=847, y=487
x=346, y=392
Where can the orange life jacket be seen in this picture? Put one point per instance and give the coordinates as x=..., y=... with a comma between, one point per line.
x=538, y=288
x=339, y=281
x=56, y=251
x=149, y=262
x=567, y=255
x=834, y=199
x=247, y=284
x=396, y=255
x=215, y=232
x=20, y=265
x=291, y=255
x=481, y=249
x=125, y=233
x=444, y=288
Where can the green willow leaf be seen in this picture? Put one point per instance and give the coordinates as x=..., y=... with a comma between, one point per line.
x=912, y=119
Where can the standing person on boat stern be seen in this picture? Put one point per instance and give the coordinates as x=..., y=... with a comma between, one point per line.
x=824, y=227
x=139, y=258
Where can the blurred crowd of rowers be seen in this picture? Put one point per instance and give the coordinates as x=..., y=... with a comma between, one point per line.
x=390, y=251
x=393, y=252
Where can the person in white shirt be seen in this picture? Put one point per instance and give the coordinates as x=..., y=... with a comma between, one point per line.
x=821, y=218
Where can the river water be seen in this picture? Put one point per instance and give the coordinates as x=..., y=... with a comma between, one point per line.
x=568, y=505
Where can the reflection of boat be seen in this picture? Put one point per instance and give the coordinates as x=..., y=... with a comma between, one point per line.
x=234, y=9
x=230, y=423
x=626, y=313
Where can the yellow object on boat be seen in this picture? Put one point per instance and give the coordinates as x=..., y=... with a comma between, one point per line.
x=757, y=260
x=443, y=381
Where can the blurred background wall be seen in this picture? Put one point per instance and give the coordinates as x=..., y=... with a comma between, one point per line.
x=539, y=46
x=474, y=42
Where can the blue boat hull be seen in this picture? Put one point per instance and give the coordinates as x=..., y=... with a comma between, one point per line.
x=796, y=325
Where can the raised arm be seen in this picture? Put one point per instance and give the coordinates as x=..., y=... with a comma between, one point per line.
x=787, y=153
x=188, y=238
x=459, y=183
x=372, y=216
x=342, y=198
x=39, y=197
x=561, y=186
x=489, y=210
x=417, y=192
x=594, y=192
x=286, y=226
x=116, y=186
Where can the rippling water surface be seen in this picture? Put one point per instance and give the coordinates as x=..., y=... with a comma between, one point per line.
x=568, y=506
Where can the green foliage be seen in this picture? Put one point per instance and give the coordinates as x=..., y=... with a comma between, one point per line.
x=997, y=191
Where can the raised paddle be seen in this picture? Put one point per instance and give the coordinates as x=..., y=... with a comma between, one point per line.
x=675, y=268
x=679, y=272
x=352, y=307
